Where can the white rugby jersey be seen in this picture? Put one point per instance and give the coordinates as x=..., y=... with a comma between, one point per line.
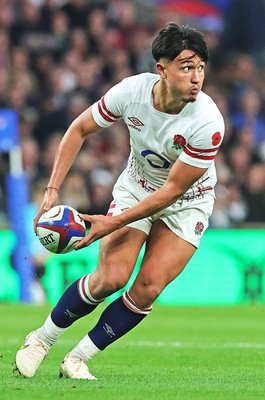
x=157, y=139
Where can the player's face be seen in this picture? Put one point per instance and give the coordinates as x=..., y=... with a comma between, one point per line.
x=185, y=76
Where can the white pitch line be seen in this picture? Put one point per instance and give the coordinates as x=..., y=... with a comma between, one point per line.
x=206, y=346
x=157, y=344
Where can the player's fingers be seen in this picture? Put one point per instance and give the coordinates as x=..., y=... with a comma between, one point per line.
x=86, y=241
x=81, y=244
x=48, y=202
x=86, y=217
x=36, y=219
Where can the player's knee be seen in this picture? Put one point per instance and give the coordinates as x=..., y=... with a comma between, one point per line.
x=152, y=291
x=111, y=284
x=106, y=283
x=145, y=292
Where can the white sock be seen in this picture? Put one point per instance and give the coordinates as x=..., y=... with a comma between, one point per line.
x=49, y=332
x=85, y=349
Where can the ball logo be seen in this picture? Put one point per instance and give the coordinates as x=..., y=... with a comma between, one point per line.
x=47, y=239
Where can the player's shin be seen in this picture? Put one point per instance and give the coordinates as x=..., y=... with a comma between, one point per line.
x=118, y=318
x=75, y=303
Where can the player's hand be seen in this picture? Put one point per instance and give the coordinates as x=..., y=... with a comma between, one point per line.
x=101, y=226
x=50, y=199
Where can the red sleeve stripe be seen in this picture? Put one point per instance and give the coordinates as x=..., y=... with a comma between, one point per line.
x=107, y=111
x=104, y=115
x=111, y=209
x=199, y=156
x=194, y=149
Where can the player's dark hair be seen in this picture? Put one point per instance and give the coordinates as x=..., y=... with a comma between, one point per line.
x=173, y=39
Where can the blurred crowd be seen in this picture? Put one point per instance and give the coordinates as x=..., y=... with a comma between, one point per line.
x=57, y=57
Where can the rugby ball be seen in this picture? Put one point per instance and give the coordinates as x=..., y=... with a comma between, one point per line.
x=60, y=228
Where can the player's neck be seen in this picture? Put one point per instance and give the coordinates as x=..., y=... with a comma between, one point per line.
x=164, y=101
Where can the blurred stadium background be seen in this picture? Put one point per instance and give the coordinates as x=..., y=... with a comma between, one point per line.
x=56, y=58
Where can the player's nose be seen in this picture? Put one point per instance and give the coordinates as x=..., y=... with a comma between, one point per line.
x=196, y=76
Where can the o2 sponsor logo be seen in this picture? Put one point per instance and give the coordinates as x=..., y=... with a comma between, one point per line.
x=155, y=160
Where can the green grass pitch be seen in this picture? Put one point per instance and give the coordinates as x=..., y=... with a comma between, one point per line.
x=180, y=353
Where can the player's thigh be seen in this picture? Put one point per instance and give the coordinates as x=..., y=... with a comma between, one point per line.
x=117, y=257
x=165, y=257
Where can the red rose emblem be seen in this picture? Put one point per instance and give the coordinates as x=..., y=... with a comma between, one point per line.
x=199, y=228
x=178, y=139
x=179, y=142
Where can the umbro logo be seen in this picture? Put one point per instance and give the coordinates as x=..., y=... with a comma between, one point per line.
x=135, y=121
x=71, y=314
x=108, y=329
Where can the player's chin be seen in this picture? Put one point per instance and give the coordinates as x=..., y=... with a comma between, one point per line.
x=192, y=97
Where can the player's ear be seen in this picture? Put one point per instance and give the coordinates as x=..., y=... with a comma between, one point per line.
x=161, y=69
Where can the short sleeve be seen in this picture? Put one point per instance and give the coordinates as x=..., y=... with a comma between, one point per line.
x=204, y=144
x=110, y=107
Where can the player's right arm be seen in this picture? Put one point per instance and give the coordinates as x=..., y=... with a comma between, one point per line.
x=66, y=153
x=70, y=145
x=100, y=115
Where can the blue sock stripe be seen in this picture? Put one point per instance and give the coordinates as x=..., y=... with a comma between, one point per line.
x=129, y=303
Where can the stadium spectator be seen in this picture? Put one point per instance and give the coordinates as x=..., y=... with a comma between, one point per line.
x=75, y=191
x=30, y=28
x=249, y=116
x=244, y=29
x=254, y=191
x=30, y=158
x=77, y=12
